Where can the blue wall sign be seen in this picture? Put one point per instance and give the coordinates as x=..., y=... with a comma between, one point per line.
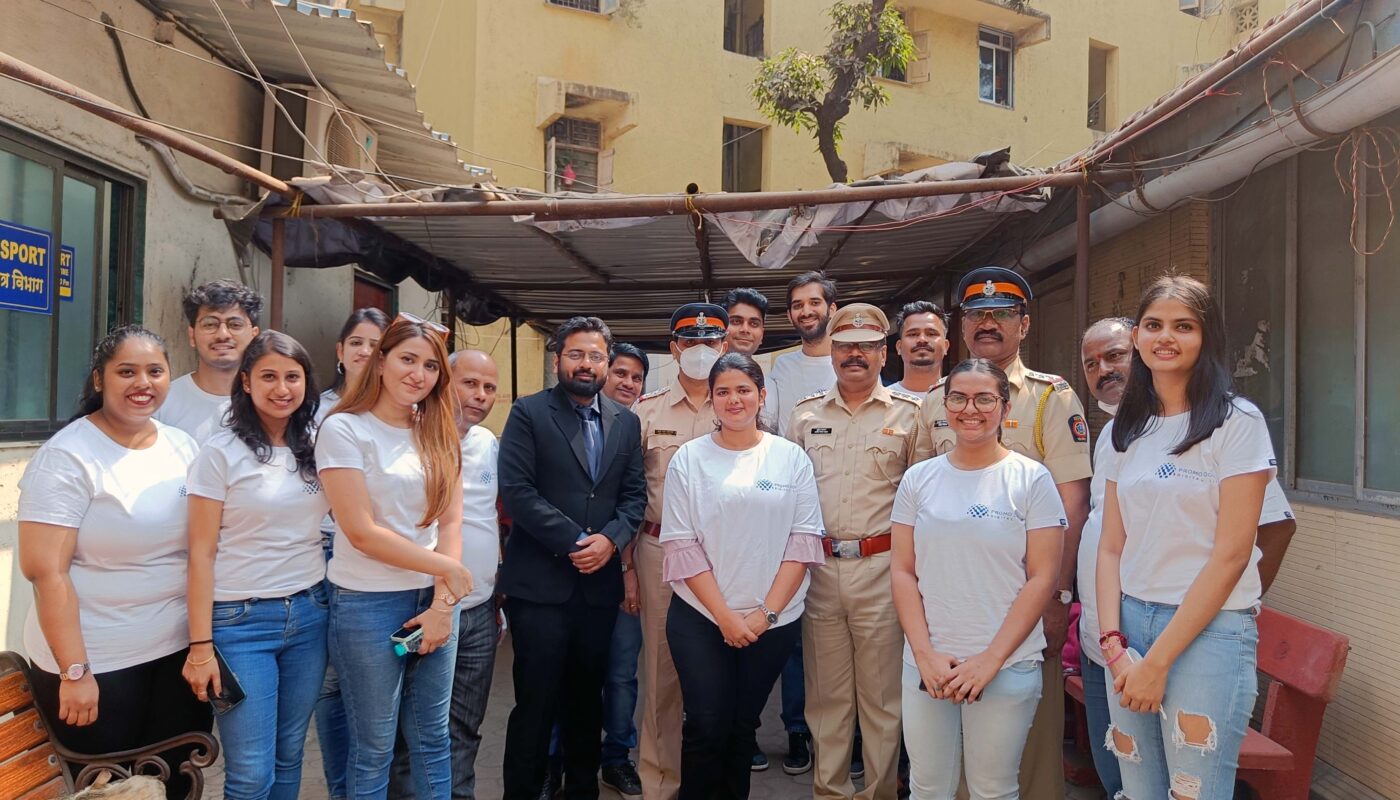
x=26, y=268
x=67, y=254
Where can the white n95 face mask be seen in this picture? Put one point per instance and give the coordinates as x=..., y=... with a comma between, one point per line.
x=697, y=360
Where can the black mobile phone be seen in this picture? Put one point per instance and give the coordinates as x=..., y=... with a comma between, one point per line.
x=232, y=693
x=406, y=640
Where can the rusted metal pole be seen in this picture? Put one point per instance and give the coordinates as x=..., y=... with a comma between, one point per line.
x=612, y=208
x=279, y=272
x=63, y=90
x=1081, y=279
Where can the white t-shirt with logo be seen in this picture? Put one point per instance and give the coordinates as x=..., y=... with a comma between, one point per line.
x=741, y=506
x=1276, y=509
x=481, y=532
x=269, y=534
x=193, y=410
x=395, y=480
x=793, y=377
x=1171, y=503
x=970, y=529
x=131, y=560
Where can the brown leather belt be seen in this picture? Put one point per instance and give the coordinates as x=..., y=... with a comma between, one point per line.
x=856, y=548
x=651, y=529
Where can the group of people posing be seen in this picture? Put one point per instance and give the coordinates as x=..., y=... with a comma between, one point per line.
x=237, y=543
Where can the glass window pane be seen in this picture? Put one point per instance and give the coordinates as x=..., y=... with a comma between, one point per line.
x=76, y=304
x=1252, y=289
x=985, y=77
x=1326, y=325
x=1382, y=340
x=1003, y=79
x=26, y=198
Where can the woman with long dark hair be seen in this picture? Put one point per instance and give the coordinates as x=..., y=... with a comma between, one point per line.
x=256, y=570
x=357, y=343
x=102, y=539
x=390, y=460
x=741, y=526
x=977, y=534
x=1178, y=577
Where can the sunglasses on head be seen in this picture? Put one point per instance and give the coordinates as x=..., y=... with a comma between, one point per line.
x=435, y=327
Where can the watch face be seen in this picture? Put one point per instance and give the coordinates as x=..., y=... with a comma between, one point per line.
x=75, y=671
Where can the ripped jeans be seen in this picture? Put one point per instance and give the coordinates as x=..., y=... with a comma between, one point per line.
x=1191, y=750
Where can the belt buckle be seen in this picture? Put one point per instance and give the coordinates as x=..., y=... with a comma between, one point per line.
x=845, y=548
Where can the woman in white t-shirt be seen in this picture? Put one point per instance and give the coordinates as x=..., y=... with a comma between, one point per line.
x=390, y=460
x=977, y=538
x=740, y=529
x=257, y=572
x=102, y=538
x=1178, y=577
x=357, y=343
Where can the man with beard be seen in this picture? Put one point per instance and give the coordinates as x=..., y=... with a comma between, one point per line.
x=1045, y=422
x=1107, y=356
x=571, y=480
x=923, y=342
x=670, y=417
x=860, y=436
x=223, y=321
x=811, y=300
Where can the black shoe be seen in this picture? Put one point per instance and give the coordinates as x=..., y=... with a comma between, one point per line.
x=759, y=762
x=553, y=779
x=622, y=778
x=799, y=757
x=857, y=760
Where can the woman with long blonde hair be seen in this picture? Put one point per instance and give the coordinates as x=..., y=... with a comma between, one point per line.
x=390, y=462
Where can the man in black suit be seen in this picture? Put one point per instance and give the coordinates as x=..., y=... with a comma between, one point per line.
x=571, y=480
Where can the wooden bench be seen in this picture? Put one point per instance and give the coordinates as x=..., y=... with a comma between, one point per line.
x=35, y=767
x=1305, y=663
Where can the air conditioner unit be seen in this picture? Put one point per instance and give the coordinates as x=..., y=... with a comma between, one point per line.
x=1190, y=6
x=342, y=139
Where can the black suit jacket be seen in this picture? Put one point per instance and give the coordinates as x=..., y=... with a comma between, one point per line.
x=551, y=499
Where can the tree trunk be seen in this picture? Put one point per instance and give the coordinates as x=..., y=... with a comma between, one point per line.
x=826, y=145
x=837, y=103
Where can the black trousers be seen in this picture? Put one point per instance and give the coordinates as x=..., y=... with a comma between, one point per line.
x=723, y=691
x=136, y=706
x=561, y=658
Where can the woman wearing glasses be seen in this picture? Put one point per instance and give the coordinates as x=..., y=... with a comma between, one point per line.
x=977, y=534
x=390, y=461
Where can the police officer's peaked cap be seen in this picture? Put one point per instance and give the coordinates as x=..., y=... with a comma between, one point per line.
x=993, y=287
x=859, y=322
x=699, y=321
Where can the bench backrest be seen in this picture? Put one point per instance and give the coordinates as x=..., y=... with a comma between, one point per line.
x=29, y=766
x=1302, y=656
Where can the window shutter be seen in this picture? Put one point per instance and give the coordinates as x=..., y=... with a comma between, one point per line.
x=918, y=69
x=605, y=170
x=550, y=178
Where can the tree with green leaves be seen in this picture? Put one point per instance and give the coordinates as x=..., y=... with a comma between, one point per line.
x=813, y=93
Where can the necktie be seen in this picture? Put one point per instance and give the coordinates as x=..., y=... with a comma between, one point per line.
x=592, y=438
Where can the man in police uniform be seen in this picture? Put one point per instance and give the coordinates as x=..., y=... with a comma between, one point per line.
x=860, y=436
x=670, y=417
x=1046, y=423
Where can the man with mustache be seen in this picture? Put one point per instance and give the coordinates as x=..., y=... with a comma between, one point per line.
x=922, y=329
x=1107, y=355
x=670, y=417
x=1045, y=422
x=571, y=481
x=860, y=436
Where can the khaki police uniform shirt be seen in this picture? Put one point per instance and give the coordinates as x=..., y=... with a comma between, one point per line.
x=668, y=421
x=1064, y=432
x=859, y=456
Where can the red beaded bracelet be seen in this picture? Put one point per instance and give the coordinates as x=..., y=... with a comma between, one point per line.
x=1107, y=635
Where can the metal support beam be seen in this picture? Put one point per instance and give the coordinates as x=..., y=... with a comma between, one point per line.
x=702, y=247
x=514, y=362
x=279, y=273
x=1081, y=279
x=63, y=90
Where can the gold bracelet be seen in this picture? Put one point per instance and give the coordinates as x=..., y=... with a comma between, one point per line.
x=198, y=663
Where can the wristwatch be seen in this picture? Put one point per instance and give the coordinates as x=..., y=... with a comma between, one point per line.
x=768, y=615
x=75, y=672
x=1066, y=597
x=624, y=567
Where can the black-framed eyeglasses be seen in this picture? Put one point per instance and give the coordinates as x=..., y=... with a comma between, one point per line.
x=984, y=401
x=866, y=348
x=235, y=325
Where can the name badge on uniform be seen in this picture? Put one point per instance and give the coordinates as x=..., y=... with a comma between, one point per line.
x=821, y=430
x=940, y=423
x=660, y=432
x=891, y=432
x=1078, y=428
x=1011, y=423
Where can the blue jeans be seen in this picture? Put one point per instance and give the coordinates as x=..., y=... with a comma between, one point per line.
x=982, y=739
x=1213, y=679
x=794, y=713
x=385, y=693
x=620, y=691
x=1096, y=709
x=277, y=648
x=331, y=731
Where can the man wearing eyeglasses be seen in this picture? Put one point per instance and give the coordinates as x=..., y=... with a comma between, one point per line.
x=223, y=320
x=860, y=436
x=1046, y=423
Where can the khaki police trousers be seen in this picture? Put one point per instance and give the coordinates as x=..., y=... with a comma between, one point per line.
x=852, y=648
x=659, y=751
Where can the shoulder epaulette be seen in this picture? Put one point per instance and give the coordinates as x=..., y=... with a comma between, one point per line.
x=1056, y=381
x=941, y=381
x=812, y=396
x=657, y=393
x=915, y=399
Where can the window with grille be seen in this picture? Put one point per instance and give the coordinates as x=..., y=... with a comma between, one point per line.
x=743, y=27
x=572, y=148
x=995, y=52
